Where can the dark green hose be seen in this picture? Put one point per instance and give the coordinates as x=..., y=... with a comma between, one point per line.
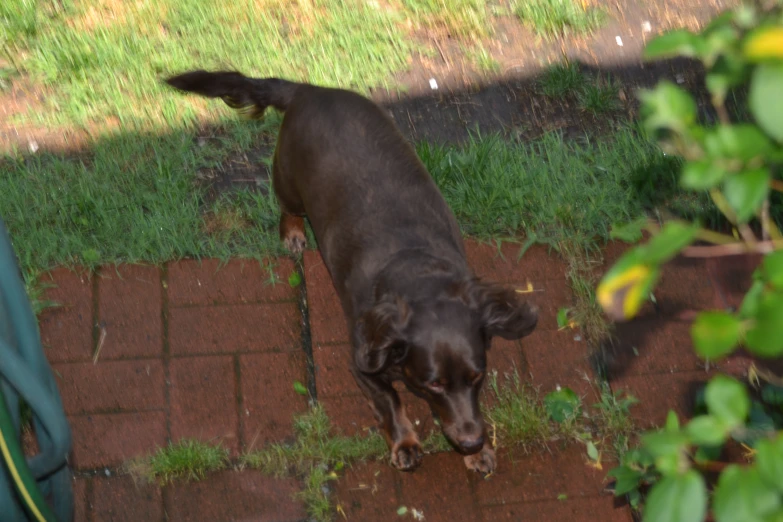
x=37, y=488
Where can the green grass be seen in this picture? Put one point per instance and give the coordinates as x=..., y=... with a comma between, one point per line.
x=185, y=460
x=599, y=97
x=561, y=80
x=134, y=197
x=558, y=17
x=103, y=60
x=553, y=190
x=467, y=19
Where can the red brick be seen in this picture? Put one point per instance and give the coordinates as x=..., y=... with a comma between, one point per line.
x=541, y=474
x=732, y=276
x=648, y=346
x=538, y=263
x=685, y=285
x=327, y=321
x=332, y=370
x=203, y=400
x=556, y=358
x=111, y=386
x=206, y=282
x=349, y=414
x=269, y=402
x=234, y=495
x=587, y=509
x=234, y=328
x=66, y=331
x=118, y=499
x=550, y=296
x=368, y=492
x=111, y=439
x=660, y=393
x=440, y=489
x=129, y=299
x=506, y=357
x=82, y=499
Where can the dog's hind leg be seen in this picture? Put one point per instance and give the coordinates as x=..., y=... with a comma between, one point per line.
x=292, y=233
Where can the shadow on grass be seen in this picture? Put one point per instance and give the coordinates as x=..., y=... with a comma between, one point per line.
x=510, y=161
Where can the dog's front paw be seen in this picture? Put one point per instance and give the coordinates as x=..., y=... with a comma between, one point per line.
x=406, y=455
x=483, y=462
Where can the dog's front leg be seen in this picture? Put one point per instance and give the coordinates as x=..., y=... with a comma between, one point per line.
x=484, y=461
x=406, y=452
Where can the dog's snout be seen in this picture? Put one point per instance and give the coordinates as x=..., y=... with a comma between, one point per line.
x=471, y=445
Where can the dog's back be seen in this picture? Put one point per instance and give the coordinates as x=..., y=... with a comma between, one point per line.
x=365, y=191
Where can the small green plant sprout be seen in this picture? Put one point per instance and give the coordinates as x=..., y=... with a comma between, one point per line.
x=561, y=79
x=738, y=164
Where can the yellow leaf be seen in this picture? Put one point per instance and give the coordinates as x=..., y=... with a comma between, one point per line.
x=622, y=296
x=765, y=43
x=529, y=289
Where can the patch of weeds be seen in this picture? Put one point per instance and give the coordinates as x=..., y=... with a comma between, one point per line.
x=599, y=97
x=314, y=446
x=316, y=455
x=561, y=79
x=518, y=415
x=36, y=293
x=459, y=18
x=187, y=459
x=559, y=17
x=583, y=275
x=613, y=420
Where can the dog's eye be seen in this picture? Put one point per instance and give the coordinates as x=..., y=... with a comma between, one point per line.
x=437, y=385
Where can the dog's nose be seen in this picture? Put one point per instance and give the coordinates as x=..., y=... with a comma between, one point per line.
x=471, y=445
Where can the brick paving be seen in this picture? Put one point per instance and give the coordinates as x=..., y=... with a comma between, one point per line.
x=202, y=350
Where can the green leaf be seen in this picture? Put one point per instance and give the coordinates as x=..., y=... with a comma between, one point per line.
x=592, y=451
x=680, y=498
x=772, y=265
x=729, y=71
x=561, y=404
x=300, y=388
x=727, y=401
x=706, y=430
x=667, y=107
x=750, y=303
x=562, y=496
x=719, y=41
x=294, y=279
x=562, y=317
x=772, y=395
x=701, y=175
x=402, y=510
x=674, y=43
x=629, y=232
x=715, y=334
x=672, y=422
x=746, y=191
x=91, y=256
x=764, y=337
x=742, y=496
x=769, y=461
x=627, y=479
x=662, y=443
x=673, y=237
x=765, y=101
x=742, y=142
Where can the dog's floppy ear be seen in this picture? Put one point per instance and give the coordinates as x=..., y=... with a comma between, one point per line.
x=378, y=335
x=500, y=309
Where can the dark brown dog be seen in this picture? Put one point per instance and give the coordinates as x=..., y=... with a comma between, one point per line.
x=415, y=311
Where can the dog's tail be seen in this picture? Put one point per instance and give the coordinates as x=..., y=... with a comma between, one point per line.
x=250, y=96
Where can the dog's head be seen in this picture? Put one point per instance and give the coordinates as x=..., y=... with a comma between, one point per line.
x=440, y=345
